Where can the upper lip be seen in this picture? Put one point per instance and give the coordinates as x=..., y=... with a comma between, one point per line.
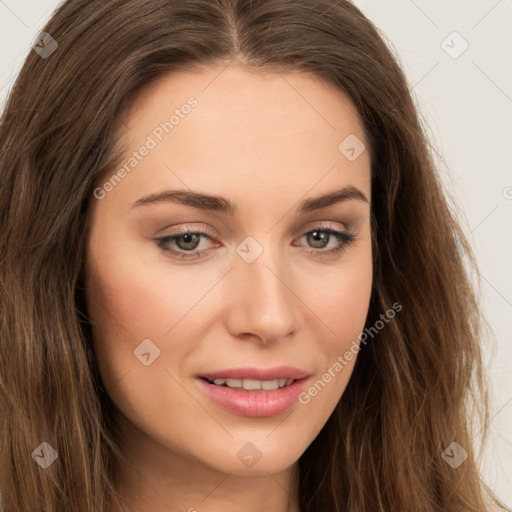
x=277, y=372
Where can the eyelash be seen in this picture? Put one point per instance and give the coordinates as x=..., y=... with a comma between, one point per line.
x=345, y=238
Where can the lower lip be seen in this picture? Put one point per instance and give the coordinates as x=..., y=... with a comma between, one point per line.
x=254, y=404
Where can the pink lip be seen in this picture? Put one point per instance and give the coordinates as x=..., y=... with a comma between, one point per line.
x=278, y=372
x=257, y=403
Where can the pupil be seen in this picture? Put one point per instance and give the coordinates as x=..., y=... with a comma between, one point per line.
x=319, y=236
x=189, y=239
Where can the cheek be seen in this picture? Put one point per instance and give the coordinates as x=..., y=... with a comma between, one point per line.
x=124, y=303
x=341, y=305
x=343, y=302
x=131, y=310
x=341, y=298
x=133, y=296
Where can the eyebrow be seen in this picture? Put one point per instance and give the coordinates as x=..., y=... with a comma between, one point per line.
x=222, y=205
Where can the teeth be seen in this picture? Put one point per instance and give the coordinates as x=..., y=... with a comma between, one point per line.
x=269, y=385
x=253, y=384
x=234, y=383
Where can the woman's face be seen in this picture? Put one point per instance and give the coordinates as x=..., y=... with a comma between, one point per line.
x=256, y=292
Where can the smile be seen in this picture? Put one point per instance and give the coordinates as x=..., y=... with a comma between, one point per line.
x=252, y=384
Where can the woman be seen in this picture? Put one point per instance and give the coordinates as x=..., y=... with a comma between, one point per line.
x=230, y=277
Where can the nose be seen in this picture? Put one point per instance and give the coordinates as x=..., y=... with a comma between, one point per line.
x=262, y=300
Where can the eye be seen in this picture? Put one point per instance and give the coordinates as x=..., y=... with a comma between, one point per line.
x=319, y=237
x=188, y=240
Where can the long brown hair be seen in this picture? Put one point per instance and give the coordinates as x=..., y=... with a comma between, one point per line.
x=414, y=385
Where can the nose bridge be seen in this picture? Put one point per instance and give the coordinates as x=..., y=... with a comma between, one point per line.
x=263, y=303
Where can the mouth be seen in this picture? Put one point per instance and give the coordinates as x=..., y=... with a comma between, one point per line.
x=251, y=384
x=254, y=392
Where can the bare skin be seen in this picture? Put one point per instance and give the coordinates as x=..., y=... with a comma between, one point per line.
x=265, y=142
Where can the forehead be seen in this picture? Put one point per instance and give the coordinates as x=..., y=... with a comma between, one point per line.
x=234, y=94
x=268, y=128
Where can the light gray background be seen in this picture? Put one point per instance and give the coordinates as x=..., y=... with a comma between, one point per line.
x=466, y=104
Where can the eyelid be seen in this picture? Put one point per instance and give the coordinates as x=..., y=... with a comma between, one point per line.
x=336, y=226
x=344, y=236
x=204, y=228
x=188, y=228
